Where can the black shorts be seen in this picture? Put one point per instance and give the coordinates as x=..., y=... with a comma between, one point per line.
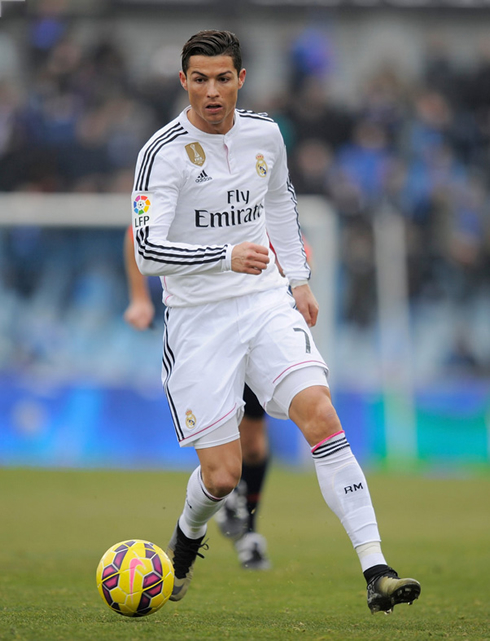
x=253, y=409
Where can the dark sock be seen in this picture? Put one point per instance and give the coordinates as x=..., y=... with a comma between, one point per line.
x=253, y=477
x=377, y=571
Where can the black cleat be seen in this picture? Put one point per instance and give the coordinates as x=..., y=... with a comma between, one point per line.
x=252, y=551
x=183, y=551
x=232, y=518
x=388, y=590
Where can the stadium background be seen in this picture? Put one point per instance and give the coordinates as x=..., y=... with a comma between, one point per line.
x=386, y=115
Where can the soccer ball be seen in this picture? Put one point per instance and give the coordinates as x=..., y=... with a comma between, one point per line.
x=135, y=578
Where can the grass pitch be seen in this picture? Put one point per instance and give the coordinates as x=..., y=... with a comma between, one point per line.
x=55, y=526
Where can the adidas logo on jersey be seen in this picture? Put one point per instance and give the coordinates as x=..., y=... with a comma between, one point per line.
x=203, y=177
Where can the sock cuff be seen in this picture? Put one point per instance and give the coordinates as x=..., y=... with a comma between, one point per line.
x=326, y=439
x=330, y=445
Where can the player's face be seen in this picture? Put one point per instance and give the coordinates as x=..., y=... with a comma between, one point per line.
x=212, y=83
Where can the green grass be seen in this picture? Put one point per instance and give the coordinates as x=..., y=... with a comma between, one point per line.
x=55, y=525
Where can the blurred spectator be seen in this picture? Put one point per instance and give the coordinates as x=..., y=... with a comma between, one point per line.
x=465, y=243
x=384, y=101
x=10, y=101
x=365, y=161
x=430, y=125
x=47, y=28
x=311, y=167
x=439, y=71
x=314, y=115
x=479, y=81
x=359, y=290
x=311, y=58
x=461, y=361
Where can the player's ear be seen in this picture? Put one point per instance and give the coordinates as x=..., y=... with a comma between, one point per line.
x=241, y=78
x=183, y=79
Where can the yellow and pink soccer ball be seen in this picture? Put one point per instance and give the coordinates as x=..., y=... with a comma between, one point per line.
x=135, y=578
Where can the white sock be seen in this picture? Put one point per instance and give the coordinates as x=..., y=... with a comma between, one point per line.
x=345, y=491
x=199, y=507
x=370, y=555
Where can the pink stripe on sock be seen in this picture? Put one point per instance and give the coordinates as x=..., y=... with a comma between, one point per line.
x=325, y=440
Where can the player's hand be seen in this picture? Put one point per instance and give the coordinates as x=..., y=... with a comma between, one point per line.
x=139, y=314
x=249, y=258
x=306, y=304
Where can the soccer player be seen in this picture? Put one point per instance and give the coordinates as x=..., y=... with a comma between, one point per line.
x=211, y=188
x=237, y=518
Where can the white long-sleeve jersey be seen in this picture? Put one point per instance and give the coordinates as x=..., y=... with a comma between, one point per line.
x=197, y=195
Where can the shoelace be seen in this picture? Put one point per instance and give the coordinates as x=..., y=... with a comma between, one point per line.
x=185, y=555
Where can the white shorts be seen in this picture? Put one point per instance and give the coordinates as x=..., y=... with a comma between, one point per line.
x=284, y=393
x=211, y=351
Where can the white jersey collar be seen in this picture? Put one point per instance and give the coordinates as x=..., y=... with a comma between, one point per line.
x=186, y=123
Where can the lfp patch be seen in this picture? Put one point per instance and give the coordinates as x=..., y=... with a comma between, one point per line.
x=141, y=209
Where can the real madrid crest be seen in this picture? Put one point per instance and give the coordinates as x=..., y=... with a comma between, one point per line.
x=261, y=166
x=196, y=153
x=190, y=420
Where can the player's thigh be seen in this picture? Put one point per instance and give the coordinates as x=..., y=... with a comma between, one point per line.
x=283, y=344
x=203, y=369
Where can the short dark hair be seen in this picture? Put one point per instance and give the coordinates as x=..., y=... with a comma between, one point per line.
x=212, y=43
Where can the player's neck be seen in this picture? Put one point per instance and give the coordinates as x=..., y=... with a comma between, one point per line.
x=220, y=128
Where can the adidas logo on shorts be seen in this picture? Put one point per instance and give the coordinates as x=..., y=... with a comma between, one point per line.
x=203, y=177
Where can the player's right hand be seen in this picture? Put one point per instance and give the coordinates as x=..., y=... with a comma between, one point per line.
x=139, y=314
x=249, y=258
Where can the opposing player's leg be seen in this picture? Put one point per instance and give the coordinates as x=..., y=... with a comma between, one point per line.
x=217, y=475
x=237, y=519
x=345, y=489
x=255, y=452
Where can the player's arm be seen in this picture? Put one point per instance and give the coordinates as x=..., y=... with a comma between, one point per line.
x=155, y=253
x=282, y=220
x=305, y=300
x=140, y=311
x=249, y=258
x=306, y=303
x=285, y=234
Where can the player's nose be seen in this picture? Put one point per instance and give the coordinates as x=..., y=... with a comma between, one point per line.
x=212, y=89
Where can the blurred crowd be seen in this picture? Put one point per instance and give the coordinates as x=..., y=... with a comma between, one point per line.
x=418, y=147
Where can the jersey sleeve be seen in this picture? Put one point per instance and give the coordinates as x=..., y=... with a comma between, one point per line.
x=282, y=220
x=153, y=213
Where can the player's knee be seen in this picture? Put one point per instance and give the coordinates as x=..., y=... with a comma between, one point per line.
x=322, y=424
x=222, y=481
x=315, y=415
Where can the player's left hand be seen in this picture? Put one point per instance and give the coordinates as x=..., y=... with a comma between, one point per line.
x=306, y=304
